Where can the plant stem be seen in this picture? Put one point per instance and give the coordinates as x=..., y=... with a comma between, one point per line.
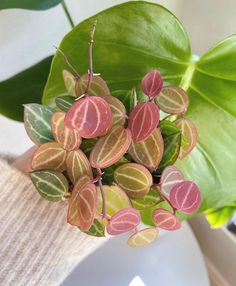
x=67, y=61
x=64, y=6
x=91, y=55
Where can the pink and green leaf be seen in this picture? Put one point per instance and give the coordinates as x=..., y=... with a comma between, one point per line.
x=134, y=179
x=70, y=82
x=49, y=156
x=110, y=148
x=143, y=237
x=172, y=100
x=148, y=152
x=118, y=110
x=152, y=83
x=77, y=165
x=97, y=229
x=69, y=139
x=151, y=199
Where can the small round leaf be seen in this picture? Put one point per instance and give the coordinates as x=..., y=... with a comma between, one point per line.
x=152, y=83
x=143, y=237
x=151, y=199
x=165, y=219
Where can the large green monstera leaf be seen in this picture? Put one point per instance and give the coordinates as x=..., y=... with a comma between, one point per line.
x=135, y=37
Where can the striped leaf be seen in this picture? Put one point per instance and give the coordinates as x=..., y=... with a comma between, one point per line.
x=116, y=200
x=97, y=229
x=64, y=103
x=152, y=83
x=126, y=97
x=51, y=185
x=98, y=86
x=91, y=116
x=69, y=139
x=70, y=82
x=151, y=199
x=49, y=156
x=172, y=142
x=77, y=165
x=118, y=110
x=37, y=119
x=143, y=237
x=189, y=132
x=110, y=148
x=143, y=120
x=135, y=179
x=87, y=145
x=72, y=213
x=169, y=178
x=149, y=151
x=165, y=219
x=87, y=205
x=172, y=100
x=186, y=197
x=123, y=221
x=108, y=173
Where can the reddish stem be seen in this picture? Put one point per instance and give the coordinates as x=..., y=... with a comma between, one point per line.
x=91, y=55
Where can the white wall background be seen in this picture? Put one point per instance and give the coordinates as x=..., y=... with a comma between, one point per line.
x=28, y=36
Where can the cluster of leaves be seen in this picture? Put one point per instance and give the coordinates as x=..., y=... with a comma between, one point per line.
x=112, y=162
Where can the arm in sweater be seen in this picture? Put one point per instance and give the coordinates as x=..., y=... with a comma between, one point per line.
x=37, y=246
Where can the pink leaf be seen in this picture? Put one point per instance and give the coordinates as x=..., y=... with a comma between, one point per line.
x=91, y=116
x=87, y=205
x=165, y=219
x=169, y=178
x=152, y=83
x=186, y=197
x=123, y=221
x=143, y=120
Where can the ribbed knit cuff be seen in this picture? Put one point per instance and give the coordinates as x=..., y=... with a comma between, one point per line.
x=37, y=246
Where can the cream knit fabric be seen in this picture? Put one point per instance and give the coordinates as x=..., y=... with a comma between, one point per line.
x=37, y=246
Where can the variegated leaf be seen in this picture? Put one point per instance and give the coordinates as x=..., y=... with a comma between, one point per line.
x=152, y=83
x=70, y=82
x=126, y=97
x=169, y=178
x=143, y=237
x=64, y=103
x=98, y=86
x=143, y=119
x=37, y=120
x=77, y=165
x=110, y=148
x=49, y=156
x=135, y=179
x=123, y=221
x=72, y=214
x=97, y=229
x=51, y=185
x=87, y=145
x=186, y=197
x=118, y=110
x=172, y=100
x=189, y=132
x=149, y=151
x=69, y=139
x=91, y=116
x=151, y=199
x=115, y=200
x=87, y=205
x=172, y=141
x=165, y=219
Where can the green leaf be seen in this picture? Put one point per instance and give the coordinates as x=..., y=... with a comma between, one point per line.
x=151, y=199
x=172, y=141
x=97, y=229
x=136, y=36
x=219, y=217
x=25, y=87
x=64, y=102
x=37, y=120
x=29, y=4
x=51, y=185
x=124, y=47
x=126, y=97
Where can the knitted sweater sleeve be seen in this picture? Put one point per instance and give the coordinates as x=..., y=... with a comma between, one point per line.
x=37, y=246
